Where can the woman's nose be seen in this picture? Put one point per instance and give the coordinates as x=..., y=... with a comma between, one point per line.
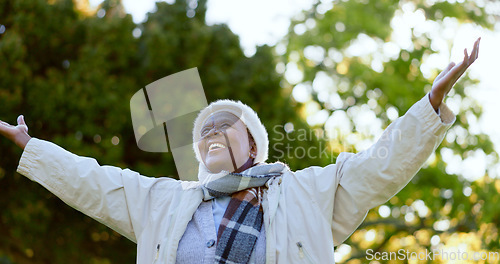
x=213, y=131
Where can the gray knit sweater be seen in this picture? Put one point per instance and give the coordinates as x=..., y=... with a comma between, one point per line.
x=198, y=243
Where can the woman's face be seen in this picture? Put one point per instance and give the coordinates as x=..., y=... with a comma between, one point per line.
x=213, y=146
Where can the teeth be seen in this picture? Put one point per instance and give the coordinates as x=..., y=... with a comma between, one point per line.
x=216, y=145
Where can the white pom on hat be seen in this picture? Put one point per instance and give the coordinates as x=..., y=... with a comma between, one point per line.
x=246, y=115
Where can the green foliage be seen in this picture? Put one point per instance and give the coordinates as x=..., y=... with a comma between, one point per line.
x=72, y=71
x=468, y=206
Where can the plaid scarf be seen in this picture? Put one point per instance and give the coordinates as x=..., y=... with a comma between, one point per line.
x=242, y=221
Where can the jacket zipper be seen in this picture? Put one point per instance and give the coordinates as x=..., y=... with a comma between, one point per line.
x=303, y=252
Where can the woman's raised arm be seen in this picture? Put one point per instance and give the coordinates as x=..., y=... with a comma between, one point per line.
x=362, y=181
x=449, y=76
x=17, y=134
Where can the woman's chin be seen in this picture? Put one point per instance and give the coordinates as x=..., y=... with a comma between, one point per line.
x=216, y=163
x=216, y=167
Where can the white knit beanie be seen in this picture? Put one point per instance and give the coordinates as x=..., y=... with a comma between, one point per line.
x=246, y=115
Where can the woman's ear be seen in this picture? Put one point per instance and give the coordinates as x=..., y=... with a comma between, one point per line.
x=253, y=152
x=253, y=146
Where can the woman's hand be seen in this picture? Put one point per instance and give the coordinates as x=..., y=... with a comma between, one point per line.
x=449, y=76
x=17, y=134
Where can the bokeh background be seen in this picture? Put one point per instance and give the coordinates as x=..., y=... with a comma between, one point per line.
x=329, y=75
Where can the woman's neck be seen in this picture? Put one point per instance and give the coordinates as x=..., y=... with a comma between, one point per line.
x=246, y=165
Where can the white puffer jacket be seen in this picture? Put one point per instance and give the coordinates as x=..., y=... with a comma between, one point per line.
x=305, y=212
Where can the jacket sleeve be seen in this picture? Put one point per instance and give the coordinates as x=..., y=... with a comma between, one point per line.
x=117, y=198
x=371, y=177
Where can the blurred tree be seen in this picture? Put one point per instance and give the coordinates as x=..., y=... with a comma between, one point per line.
x=354, y=66
x=72, y=70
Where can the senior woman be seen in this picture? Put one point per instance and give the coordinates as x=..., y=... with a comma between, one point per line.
x=243, y=210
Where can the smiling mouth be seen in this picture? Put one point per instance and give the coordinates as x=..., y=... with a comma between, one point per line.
x=216, y=146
